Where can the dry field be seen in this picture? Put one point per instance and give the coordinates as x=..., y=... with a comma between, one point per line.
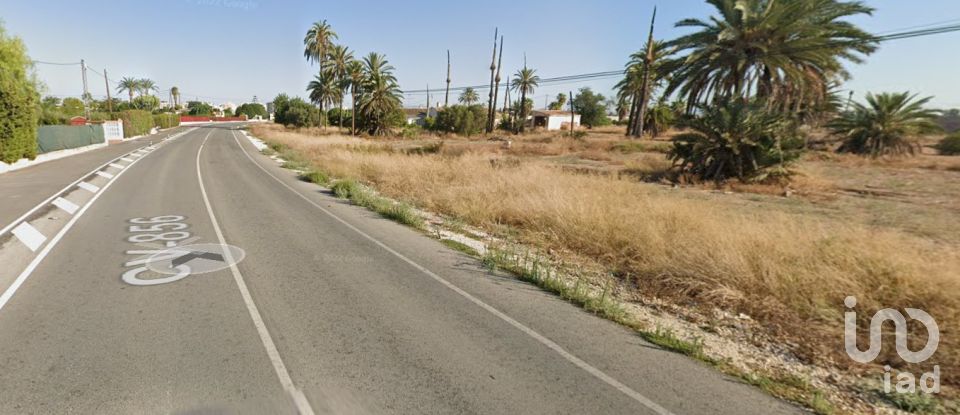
x=886, y=231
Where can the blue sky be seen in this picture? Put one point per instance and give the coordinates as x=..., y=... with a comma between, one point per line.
x=231, y=50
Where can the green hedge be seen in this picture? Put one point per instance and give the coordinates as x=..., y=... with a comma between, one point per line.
x=18, y=101
x=166, y=120
x=136, y=122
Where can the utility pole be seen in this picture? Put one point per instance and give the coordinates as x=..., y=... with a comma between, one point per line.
x=493, y=67
x=496, y=91
x=86, y=92
x=645, y=85
x=572, y=114
x=428, y=99
x=506, y=102
x=446, y=96
x=107, y=83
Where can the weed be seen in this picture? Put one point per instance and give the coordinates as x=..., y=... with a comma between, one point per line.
x=460, y=247
x=920, y=403
x=667, y=339
x=314, y=176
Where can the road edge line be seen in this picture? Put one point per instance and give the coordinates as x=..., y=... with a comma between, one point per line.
x=582, y=364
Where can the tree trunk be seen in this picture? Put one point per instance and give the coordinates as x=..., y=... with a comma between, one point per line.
x=523, y=109
x=341, y=113
x=353, y=112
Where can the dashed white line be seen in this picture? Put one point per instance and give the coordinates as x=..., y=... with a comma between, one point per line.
x=128, y=160
x=550, y=344
x=104, y=174
x=88, y=187
x=66, y=205
x=29, y=235
x=116, y=166
x=303, y=405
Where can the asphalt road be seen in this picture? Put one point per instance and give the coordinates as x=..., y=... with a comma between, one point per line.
x=328, y=309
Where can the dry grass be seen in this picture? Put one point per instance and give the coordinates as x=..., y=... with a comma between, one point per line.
x=788, y=268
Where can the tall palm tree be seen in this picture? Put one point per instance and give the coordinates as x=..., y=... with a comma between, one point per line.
x=339, y=58
x=525, y=80
x=883, y=125
x=629, y=88
x=128, y=84
x=146, y=85
x=381, y=94
x=783, y=52
x=469, y=97
x=175, y=94
x=323, y=89
x=317, y=41
x=355, y=76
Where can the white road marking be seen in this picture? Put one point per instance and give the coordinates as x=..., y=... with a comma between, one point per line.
x=12, y=289
x=66, y=205
x=128, y=160
x=29, y=235
x=116, y=166
x=303, y=406
x=104, y=174
x=597, y=373
x=88, y=187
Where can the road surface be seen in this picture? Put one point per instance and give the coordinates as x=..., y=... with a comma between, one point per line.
x=320, y=307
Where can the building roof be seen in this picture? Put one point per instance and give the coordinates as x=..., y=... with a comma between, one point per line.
x=551, y=113
x=414, y=112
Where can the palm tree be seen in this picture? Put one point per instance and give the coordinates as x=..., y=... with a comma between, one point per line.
x=175, y=94
x=128, y=84
x=315, y=44
x=469, y=97
x=146, y=85
x=355, y=76
x=525, y=80
x=735, y=140
x=882, y=126
x=629, y=88
x=323, y=89
x=339, y=59
x=783, y=52
x=381, y=93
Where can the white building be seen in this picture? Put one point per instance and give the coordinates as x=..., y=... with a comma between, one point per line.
x=553, y=120
x=418, y=115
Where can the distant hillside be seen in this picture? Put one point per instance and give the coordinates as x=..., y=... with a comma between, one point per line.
x=950, y=120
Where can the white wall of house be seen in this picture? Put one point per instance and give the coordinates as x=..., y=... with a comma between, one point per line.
x=556, y=122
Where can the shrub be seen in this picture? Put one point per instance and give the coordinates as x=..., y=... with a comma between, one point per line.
x=18, y=101
x=136, y=122
x=950, y=145
x=461, y=119
x=251, y=110
x=882, y=127
x=166, y=120
x=734, y=140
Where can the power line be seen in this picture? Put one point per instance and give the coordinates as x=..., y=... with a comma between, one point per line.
x=608, y=74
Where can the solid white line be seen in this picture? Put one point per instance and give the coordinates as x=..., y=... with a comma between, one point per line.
x=12, y=289
x=597, y=373
x=104, y=174
x=29, y=235
x=88, y=187
x=66, y=205
x=116, y=166
x=303, y=406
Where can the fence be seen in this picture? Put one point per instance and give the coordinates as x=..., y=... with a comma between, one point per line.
x=63, y=137
x=113, y=130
